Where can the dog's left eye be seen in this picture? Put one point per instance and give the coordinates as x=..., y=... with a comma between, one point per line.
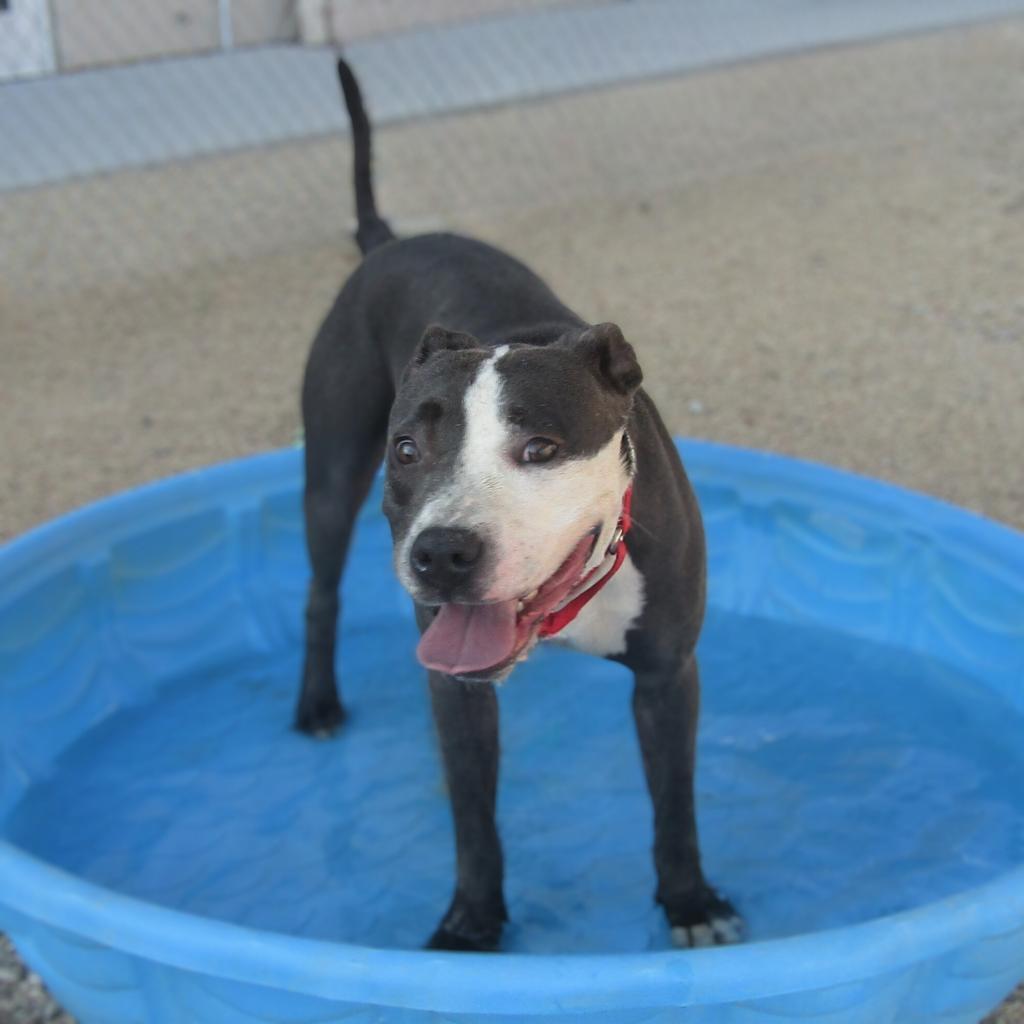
x=539, y=449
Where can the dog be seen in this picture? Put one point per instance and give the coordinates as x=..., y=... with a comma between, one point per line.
x=520, y=449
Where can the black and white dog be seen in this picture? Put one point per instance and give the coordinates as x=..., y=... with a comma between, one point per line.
x=518, y=447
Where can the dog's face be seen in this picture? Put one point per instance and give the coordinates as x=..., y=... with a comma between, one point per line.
x=505, y=475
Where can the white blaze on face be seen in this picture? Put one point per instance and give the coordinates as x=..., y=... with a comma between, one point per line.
x=530, y=516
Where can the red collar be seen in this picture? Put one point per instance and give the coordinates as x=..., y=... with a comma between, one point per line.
x=556, y=621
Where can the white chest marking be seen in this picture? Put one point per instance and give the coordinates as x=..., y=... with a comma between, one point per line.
x=601, y=627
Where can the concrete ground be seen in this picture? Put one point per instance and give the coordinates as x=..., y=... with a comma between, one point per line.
x=820, y=254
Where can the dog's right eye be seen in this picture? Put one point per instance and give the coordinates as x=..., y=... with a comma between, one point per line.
x=406, y=451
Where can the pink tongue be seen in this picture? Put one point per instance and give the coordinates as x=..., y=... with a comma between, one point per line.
x=469, y=637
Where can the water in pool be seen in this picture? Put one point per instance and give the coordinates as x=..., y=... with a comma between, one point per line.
x=837, y=781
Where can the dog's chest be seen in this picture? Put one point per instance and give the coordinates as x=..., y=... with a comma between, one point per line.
x=601, y=627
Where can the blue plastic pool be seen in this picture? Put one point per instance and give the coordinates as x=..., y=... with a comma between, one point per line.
x=171, y=852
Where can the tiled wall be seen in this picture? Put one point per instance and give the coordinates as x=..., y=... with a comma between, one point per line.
x=97, y=32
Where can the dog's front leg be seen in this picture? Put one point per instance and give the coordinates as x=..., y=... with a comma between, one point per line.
x=466, y=715
x=666, y=704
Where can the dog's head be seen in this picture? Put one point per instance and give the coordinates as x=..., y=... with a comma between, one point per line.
x=506, y=470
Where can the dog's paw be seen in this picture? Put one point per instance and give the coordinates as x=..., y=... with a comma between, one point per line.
x=711, y=920
x=463, y=930
x=451, y=941
x=320, y=719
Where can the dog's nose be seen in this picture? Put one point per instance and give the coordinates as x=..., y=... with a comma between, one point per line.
x=445, y=556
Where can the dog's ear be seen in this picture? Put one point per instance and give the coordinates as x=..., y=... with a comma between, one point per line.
x=439, y=339
x=611, y=357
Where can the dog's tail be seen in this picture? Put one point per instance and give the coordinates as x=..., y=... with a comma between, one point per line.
x=371, y=230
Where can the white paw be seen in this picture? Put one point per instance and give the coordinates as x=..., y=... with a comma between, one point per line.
x=716, y=931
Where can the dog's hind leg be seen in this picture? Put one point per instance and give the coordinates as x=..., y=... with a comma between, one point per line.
x=345, y=405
